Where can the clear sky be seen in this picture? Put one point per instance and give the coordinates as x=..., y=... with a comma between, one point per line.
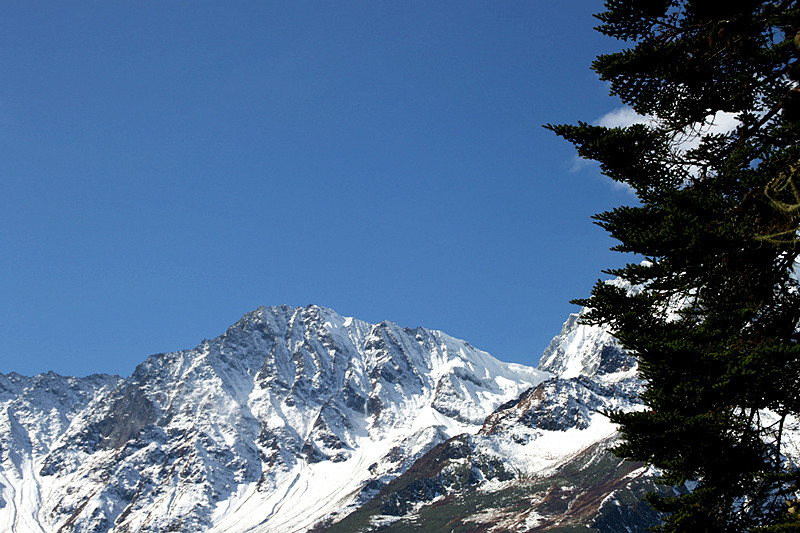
x=167, y=167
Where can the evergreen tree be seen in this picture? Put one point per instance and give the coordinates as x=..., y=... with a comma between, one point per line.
x=715, y=324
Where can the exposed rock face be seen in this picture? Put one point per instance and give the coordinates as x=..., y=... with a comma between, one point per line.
x=291, y=416
x=557, y=404
x=540, y=461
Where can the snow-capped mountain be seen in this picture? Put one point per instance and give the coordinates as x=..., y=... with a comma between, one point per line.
x=541, y=462
x=291, y=419
x=34, y=414
x=300, y=420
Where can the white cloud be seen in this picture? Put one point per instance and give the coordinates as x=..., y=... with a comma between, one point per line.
x=622, y=117
x=618, y=118
x=579, y=163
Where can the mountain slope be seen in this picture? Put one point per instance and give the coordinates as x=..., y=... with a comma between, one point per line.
x=291, y=417
x=34, y=415
x=539, y=463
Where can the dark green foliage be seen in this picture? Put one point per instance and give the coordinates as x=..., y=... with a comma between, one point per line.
x=715, y=322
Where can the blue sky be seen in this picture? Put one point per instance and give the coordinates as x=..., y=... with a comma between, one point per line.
x=167, y=167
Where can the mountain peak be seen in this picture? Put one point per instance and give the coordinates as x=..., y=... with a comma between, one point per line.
x=290, y=402
x=586, y=350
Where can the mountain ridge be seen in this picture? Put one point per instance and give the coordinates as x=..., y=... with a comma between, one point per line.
x=284, y=398
x=541, y=462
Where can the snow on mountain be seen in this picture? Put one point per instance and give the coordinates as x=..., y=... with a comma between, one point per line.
x=585, y=350
x=35, y=413
x=589, y=350
x=562, y=416
x=540, y=461
x=293, y=416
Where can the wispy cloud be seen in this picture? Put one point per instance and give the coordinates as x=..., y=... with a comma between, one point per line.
x=622, y=117
x=579, y=163
x=618, y=118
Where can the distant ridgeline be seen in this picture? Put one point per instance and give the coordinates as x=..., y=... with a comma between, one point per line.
x=297, y=419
